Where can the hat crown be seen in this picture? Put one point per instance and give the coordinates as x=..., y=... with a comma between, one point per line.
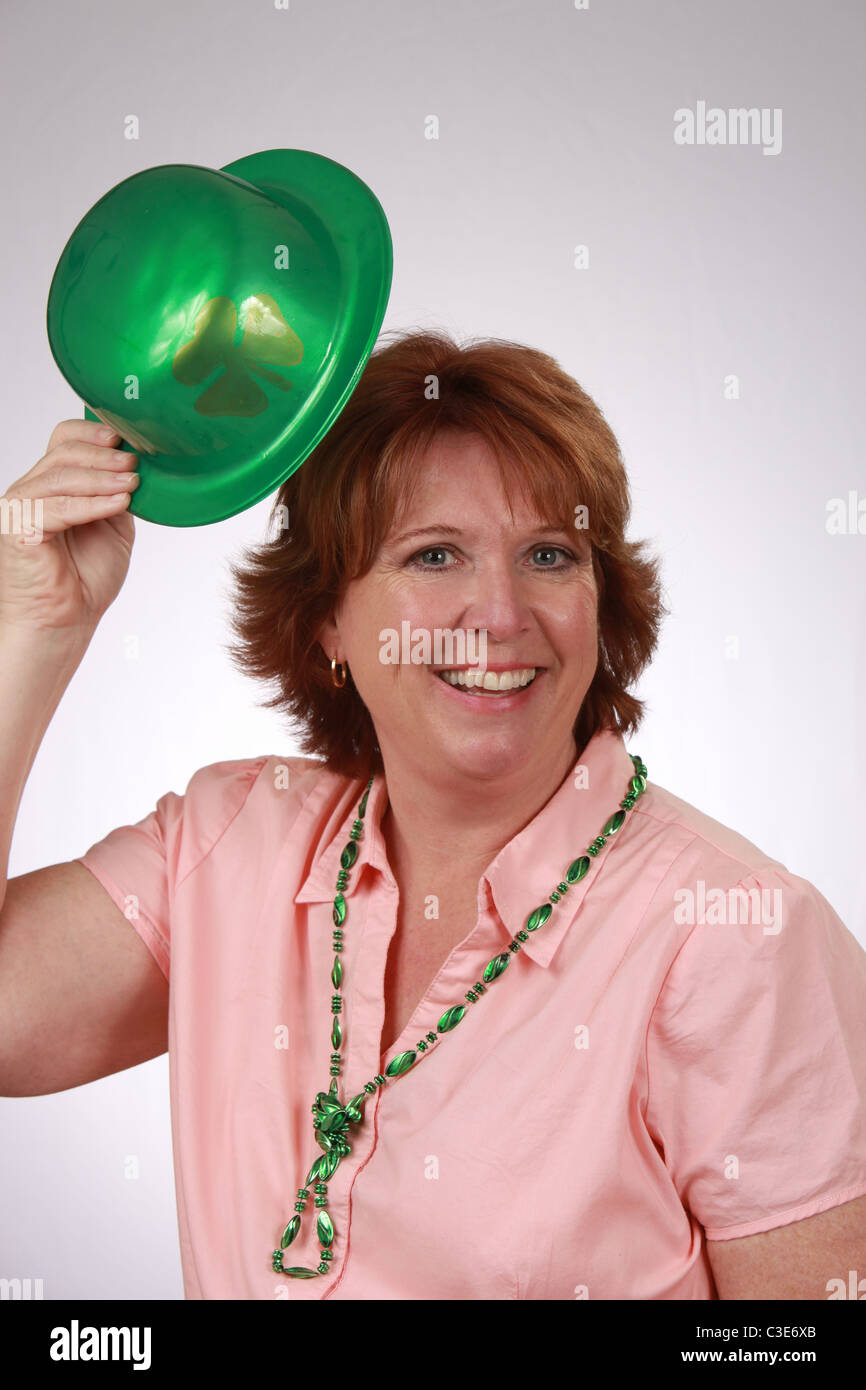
x=186, y=300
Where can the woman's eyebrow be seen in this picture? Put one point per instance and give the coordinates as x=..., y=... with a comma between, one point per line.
x=446, y=530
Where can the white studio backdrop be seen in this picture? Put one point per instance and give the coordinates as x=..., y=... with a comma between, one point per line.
x=540, y=187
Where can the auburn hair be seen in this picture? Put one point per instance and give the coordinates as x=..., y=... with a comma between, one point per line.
x=549, y=439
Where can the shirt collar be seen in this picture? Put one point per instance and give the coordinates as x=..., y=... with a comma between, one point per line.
x=526, y=870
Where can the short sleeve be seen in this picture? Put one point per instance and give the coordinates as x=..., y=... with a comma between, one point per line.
x=142, y=865
x=756, y=1060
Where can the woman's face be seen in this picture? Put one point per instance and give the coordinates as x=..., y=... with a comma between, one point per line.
x=537, y=603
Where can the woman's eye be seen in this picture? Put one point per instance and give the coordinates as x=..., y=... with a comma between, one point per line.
x=553, y=550
x=417, y=561
x=433, y=550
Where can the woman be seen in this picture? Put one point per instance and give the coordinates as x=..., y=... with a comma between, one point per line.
x=463, y=1005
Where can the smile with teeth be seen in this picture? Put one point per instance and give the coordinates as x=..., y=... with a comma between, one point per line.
x=490, y=682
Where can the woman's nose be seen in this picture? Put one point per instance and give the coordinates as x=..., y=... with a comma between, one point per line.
x=495, y=600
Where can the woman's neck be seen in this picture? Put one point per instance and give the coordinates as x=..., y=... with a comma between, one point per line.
x=441, y=835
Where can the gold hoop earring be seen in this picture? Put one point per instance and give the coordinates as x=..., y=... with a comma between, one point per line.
x=341, y=683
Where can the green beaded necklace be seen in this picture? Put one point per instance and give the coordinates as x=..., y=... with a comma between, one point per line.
x=331, y=1119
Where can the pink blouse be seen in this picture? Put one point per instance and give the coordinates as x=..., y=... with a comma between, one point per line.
x=677, y=1054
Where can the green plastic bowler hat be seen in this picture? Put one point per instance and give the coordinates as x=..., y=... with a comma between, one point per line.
x=219, y=320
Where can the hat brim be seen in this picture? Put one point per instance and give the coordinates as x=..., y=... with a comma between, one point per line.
x=342, y=215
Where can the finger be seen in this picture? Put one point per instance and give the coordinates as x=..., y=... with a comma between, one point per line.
x=78, y=454
x=90, y=431
x=53, y=515
x=47, y=496
x=70, y=480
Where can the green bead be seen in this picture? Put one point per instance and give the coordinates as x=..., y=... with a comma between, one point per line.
x=538, y=917
x=326, y=1164
x=451, y=1018
x=638, y=784
x=318, y=1168
x=575, y=872
x=333, y=1123
x=400, y=1064
x=337, y=973
x=349, y=855
x=611, y=826
x=324, y=1228
x=496, y=967
x=339, y=913
x=336, y=1034
x=290, y=1232
x=353, y=1109
x=300, y=1272
x=337, y=1123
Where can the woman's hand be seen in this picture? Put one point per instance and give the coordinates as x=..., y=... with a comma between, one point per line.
x=62, y=576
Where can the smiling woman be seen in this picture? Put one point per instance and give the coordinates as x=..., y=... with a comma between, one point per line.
x=475, y=1039
x=362, y=503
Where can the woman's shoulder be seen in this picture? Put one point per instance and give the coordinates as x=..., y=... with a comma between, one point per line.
x=698, y=838
x=247, y=806
x=272, y=785
x=232, y=775
x=710, y=876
